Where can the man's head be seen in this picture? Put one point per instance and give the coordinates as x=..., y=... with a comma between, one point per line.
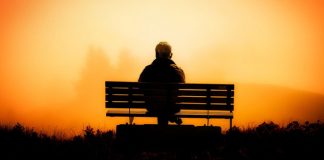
x=163, y=50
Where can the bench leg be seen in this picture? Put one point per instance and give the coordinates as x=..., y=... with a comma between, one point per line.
x=230, y=123
x=131, y=119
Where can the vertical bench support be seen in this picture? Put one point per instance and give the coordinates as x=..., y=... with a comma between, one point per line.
x=231, y=123
x=208, y=104
x=130, y=94
x=228, y=103
x=109, y=94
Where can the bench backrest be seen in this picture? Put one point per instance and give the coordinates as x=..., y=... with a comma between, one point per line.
x=189, y=96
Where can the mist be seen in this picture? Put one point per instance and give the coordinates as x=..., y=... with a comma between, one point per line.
x=70, y=106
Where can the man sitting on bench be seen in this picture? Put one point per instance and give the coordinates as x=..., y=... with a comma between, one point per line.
x=163, y=70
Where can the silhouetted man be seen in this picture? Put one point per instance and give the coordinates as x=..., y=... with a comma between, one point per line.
x=163, y=70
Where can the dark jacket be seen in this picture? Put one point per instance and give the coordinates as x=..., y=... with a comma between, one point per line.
x=162, y=71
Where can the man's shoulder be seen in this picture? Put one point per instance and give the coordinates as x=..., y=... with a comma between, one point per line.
x=167, y=66
x=148, y=67
x=175, y=67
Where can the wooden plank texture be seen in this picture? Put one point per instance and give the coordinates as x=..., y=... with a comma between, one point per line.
x=179, y=85
x=190, y=106
x=182, y=115
x=190, y=96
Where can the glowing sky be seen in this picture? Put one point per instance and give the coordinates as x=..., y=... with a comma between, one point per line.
x=52, y=52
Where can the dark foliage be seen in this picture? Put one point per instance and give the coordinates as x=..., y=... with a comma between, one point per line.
x=265, y=141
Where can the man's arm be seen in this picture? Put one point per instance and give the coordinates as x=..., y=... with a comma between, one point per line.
x=141, y=78
x=144, y=75
x=180, y=76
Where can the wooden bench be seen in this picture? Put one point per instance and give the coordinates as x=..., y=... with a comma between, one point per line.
x=126, y=99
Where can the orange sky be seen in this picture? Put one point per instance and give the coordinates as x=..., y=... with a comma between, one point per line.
x=55, y=54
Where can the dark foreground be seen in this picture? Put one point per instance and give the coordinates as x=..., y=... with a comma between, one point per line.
x=265, y=141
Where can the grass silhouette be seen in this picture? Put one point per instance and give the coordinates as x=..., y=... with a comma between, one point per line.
x=265, y=141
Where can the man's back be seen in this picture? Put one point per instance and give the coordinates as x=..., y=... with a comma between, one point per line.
x=162, y=70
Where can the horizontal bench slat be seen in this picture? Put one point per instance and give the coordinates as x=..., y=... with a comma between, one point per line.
x=179, y=85
x=204, y=100
x=180, y=114
x=204, y=93
x=193, y=99
x=204, y=86
x=124, y=98
x=191, y=106
x=121, y=84
x=123, y=91
x=125, y=105
x=183, y=92
x=199, y=106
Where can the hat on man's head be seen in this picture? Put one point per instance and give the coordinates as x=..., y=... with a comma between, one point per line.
x=163, y=50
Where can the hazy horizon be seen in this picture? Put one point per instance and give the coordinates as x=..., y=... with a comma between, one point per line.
x=82, y=104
